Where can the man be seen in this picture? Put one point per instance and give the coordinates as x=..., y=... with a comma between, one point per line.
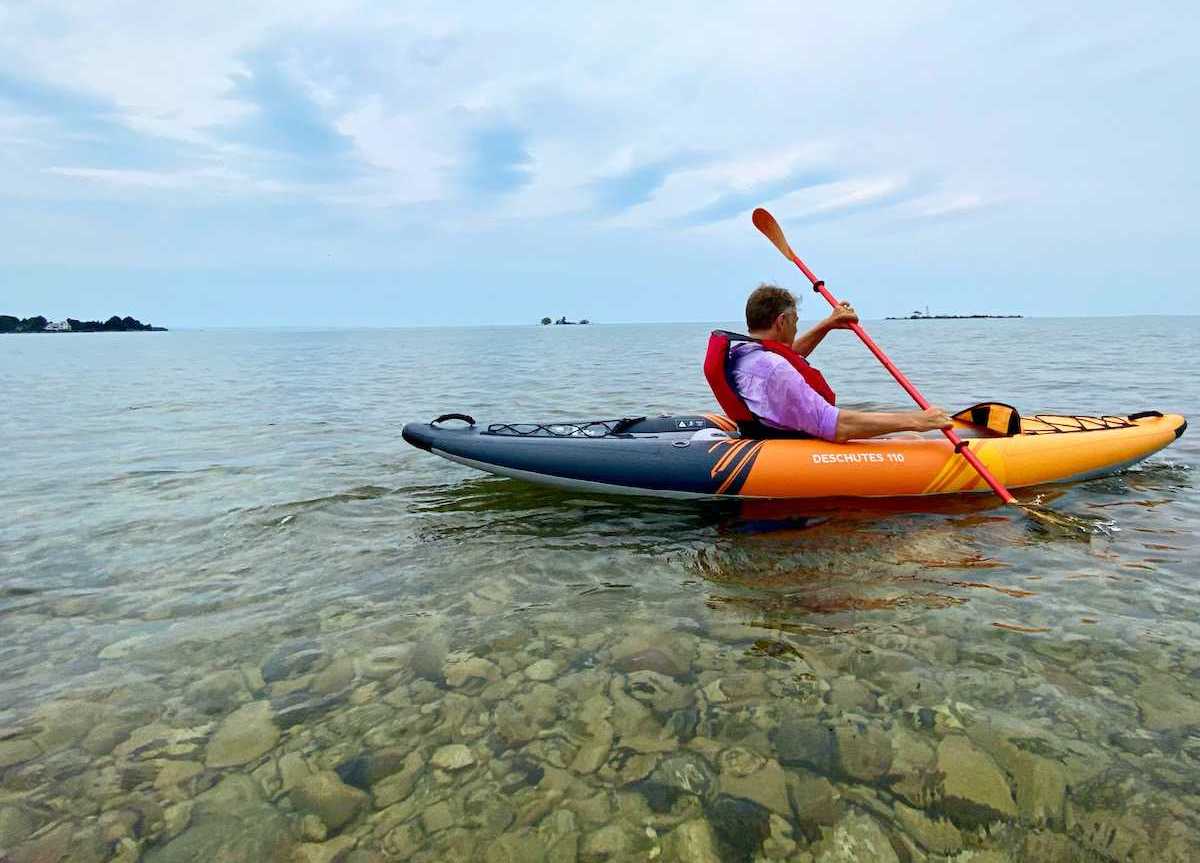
x=787, y=393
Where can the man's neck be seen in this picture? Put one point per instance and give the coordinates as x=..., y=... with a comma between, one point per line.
x=765, y=335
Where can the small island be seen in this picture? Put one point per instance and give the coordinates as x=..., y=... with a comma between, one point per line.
x=564, y=322
x=39, y=324
x=925, y=316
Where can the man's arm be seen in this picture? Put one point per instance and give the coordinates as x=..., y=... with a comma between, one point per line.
x=839, y=319
x=853, y=425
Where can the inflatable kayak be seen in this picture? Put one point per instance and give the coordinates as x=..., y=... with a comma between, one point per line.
x=704, y=456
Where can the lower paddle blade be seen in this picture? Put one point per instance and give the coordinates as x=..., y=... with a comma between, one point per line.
x=1065, y=523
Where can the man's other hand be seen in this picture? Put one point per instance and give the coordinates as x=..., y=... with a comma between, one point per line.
x=842, y=317
x=931, y=419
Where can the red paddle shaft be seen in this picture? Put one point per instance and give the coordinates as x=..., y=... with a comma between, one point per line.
x=960, y=446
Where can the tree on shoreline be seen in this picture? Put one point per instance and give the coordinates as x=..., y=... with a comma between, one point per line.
x=39, y=324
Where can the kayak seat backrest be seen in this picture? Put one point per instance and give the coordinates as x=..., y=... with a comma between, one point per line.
x=996, y=417
x=717, y=373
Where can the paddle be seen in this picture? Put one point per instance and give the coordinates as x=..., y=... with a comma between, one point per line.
x=766, y=223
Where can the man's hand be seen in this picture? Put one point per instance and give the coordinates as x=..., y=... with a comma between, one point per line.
x=842, y=317
x=930, y=420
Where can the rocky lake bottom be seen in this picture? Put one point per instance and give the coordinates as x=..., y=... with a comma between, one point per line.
x=256, y=628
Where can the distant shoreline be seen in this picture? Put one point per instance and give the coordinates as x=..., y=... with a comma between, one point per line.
x=951, y=317
x=10, y=324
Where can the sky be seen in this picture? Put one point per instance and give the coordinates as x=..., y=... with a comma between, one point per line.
x=326, y=163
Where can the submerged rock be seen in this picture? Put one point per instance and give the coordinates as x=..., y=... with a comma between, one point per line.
x=974, y=789
x=935, y=835
x=864, y=752
x=17, y=751
x=519, y=719
x=913, y=767
x=806, y=742
x=218, y=692
x=850, y=694
x=618, y=841
x=428, y=657
x=16, y=825
x=1165, y=705
x=682, y=773
x=542, y=670
x=517, y=847
x=815, y=801
x=651, y=649
x=473, y=668
x=366, y=769
x=857, y=838
x=246, y=734
x=399, y=785
x=230, y=823
x=692, y=842
x=1041, y=789
x=292, y=769
x=437, y=817
x=291, y=659
x=658, y=692
x=592, y=754
x=741, y=825
x=402, y=842
x=766, y=785
x=62, y=723
x=326, y=796
x=324, y=852
x=454, y=756
x=335, y=677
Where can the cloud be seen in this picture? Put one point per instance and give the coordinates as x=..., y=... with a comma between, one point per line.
x=638, y=183
x=736, y=203
x=364, y=117
x=853, y=197
x=89, y=127
x=286, y=124
x=497, y=160
x=950, y=206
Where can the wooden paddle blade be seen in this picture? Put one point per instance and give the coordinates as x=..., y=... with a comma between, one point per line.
x=766, y=223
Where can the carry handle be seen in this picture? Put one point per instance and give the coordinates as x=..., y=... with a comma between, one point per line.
x=469, y=420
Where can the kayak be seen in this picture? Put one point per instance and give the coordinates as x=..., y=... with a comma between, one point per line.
x=703, y=456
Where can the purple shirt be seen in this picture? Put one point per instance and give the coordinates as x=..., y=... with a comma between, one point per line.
x=778, y=394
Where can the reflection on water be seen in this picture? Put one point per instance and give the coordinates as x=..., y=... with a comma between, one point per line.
x=240, y=621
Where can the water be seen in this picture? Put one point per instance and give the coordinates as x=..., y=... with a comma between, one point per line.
x=204, y=525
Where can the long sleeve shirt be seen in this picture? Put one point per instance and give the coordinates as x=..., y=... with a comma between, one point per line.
x=778, y=394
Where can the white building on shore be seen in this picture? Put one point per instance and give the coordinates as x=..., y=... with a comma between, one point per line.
x=60, y=327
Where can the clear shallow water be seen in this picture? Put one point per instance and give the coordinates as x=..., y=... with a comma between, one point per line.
x=223, y=576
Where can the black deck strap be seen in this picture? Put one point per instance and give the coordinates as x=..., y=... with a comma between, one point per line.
x=737, y=337
x=761, y=431
x=961, y=445
x=1143, y=414
x=469, y=420
x=624, y=424
x=818, y=284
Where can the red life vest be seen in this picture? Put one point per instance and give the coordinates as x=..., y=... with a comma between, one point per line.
x=718, y=373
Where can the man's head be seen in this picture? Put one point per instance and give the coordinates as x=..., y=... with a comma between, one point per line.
x=771, y=313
